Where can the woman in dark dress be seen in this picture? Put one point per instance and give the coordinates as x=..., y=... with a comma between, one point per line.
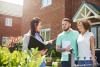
x=34, y=32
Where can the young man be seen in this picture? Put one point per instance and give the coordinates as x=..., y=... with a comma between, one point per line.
x=66, y=41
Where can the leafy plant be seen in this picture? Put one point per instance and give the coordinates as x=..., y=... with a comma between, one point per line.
x=29, y=58
x=52, y=53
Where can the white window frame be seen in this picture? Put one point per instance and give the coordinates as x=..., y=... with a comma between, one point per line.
x=45, y=33
x=95, y=29
x=46, y=3
x=85, y=12
x=8, y=22
x=5, y=40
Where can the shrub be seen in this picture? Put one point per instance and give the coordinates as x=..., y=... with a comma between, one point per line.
x=29, y=58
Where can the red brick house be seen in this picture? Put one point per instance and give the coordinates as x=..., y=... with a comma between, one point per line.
x=10, y=20
x=52, y=11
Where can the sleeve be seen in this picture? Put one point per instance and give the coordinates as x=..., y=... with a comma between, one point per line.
x=58, y=41
x=76, y=33
x=77, y=52
x=91, y=34
x=25, y=42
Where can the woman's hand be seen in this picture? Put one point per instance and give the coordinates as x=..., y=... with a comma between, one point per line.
x=94, y=60
x=49, y=42
x=43, y=52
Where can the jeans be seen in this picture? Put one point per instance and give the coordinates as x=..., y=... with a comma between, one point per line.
x=65, y=64
x=43, y=64
x=85, y=63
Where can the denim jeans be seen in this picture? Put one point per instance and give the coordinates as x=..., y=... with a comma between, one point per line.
x=43, y=64
x=65, y=64
x=85, y=63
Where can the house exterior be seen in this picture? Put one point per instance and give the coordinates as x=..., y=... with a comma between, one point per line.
x=91, y=10
x=10, y=20
x=51, y=13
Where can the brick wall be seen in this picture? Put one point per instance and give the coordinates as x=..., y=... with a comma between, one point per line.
x=51, y=15
x=15, y=30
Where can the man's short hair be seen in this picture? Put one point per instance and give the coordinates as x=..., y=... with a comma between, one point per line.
x=67, y=19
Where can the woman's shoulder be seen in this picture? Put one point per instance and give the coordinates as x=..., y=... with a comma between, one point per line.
x=26, y=36
x=75, y=32
x=91, y=34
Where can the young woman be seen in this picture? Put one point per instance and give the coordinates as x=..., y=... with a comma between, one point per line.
x=34, y=32
x=85, y=44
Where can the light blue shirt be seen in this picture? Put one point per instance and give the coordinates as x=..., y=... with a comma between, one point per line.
x=68, y=37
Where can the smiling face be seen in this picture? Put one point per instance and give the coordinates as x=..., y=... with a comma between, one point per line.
x=80, y=27
x=83, y=25
x=39, y=26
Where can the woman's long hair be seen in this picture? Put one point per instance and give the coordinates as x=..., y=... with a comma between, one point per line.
x=34, y=24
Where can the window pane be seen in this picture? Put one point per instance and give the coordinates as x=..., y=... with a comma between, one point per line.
x=5, y=40
x=43, y=34
x=49, y=2
x=48, y=35
x=46, y=3
x=93, y=29
x=98, y=37
x=8, y=22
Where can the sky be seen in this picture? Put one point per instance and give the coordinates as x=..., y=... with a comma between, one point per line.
x=18, y=2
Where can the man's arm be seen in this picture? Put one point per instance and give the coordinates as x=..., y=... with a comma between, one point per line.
x=59, y=49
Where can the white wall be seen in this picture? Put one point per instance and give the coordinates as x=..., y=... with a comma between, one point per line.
x=11, y=9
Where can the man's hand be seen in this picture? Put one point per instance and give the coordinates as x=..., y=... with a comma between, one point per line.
x=59, y=49
x=68, y=48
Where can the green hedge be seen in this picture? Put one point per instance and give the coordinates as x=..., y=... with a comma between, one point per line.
x=29, y=58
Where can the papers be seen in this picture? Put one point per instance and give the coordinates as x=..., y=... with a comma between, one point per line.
x=66, y=44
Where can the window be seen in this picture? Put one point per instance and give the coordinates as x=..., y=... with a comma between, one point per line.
x=46, y=3
x=96, y=31
x=5, y=40
x=46, y=34
x=93, y=29
x=99, y=36
x=8, y=22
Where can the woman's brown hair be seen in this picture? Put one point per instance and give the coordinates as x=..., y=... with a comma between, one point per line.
x=85, y=23
x=34, y=23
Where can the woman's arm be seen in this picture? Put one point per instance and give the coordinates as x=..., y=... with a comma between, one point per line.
x=92, y=45
x=49, y=42
x=25, y=42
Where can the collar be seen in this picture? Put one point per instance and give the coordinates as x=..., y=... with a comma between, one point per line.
x=68, y=30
